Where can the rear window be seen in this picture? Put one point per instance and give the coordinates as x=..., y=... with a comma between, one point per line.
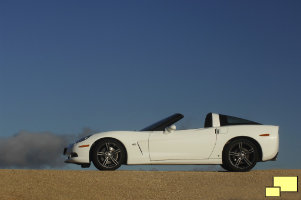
x=226, y=120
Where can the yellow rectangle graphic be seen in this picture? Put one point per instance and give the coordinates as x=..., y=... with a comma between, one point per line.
x=272, y=191
x=286, y=184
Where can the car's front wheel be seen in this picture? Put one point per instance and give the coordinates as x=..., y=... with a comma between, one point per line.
x=240, y=155
x=108, y=154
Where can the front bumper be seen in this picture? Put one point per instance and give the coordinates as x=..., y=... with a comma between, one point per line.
x=77, y=154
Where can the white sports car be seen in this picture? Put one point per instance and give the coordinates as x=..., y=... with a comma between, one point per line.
x=234, y=143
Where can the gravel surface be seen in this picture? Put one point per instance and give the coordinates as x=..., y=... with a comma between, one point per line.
x=74, y=184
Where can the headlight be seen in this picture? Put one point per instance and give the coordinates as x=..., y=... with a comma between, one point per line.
x=83, y=139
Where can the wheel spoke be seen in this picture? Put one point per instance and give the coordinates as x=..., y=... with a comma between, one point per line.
x=108, y=146
x=250, y=151
x=240, y=146
x=247, y=161
x=238, y=162
x=105, y=161
x=114, y=160
x=233, y=154
x=116, y=151
x=100, y=153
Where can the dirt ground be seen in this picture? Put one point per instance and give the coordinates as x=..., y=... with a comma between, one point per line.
x=73, y=185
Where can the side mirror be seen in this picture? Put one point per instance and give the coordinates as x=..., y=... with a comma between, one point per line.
x=170, y=129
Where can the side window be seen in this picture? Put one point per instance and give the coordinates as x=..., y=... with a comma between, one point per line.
x=223, y=120
x=235, y=120
x=230, y=120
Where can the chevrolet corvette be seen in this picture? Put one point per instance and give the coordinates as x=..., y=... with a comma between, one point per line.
x=234, y=143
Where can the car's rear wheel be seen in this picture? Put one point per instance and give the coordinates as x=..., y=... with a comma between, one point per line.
x=108, y=154
x=240, y=155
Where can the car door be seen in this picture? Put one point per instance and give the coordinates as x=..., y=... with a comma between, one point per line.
x=192, y=144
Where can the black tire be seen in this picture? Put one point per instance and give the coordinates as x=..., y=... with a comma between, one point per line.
x=240, y=155
x=225, y=167
x=108, y=154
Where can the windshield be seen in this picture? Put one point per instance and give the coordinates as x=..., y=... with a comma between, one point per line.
x=162, y=124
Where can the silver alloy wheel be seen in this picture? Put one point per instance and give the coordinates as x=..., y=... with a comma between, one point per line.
x=108, y=155
x=242, y=155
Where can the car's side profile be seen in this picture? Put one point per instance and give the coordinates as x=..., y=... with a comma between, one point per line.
x=234, y=143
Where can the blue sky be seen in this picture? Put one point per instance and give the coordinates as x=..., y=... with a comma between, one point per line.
x=120, y=65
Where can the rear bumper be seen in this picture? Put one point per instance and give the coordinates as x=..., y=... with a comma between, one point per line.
x=275, y=158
